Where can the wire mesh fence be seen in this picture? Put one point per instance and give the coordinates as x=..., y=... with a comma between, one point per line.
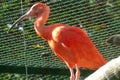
x=100, y=18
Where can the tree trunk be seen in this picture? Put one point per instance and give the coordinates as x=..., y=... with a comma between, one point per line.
x=110, y=71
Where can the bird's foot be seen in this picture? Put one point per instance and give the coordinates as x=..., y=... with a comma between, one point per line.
x=72, y=77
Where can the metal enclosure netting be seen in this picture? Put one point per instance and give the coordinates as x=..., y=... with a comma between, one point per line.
x=100, y=18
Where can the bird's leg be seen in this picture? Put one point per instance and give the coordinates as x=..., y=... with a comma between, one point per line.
x=77, y=75
x=72, y=77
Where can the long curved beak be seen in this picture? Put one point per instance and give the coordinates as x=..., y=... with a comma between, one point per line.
x=19, y=20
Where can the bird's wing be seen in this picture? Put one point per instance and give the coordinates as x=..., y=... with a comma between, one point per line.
x=80, y=46
x=77, y=40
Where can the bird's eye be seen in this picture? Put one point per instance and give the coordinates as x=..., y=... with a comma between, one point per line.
x=38, y=10
x=35, y=10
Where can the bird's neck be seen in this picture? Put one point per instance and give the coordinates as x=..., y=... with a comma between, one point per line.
x=40, y=28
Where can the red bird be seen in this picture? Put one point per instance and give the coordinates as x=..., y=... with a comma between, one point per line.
x=70, y=44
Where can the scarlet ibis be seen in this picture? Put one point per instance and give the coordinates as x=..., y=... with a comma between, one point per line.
x=69, y=43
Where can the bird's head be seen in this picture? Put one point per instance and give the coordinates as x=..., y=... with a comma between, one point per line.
x=36, y=10
x=114, y=39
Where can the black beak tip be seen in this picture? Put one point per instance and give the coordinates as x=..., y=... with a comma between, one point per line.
x=8, y=31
